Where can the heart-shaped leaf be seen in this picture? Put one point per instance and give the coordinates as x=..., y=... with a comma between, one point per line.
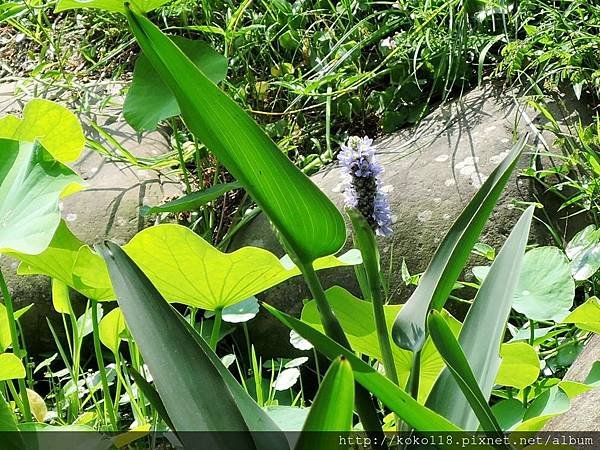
x=11, y=367
x=356, y=318
x=109, y=5
x=520, y=365
x=308, y=222
x=110, y=328
x=546, y=288
x=149, y=100
x=31, y=186
x=52, y=125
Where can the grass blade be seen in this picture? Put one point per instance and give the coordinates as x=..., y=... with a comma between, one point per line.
x=191, y=201
x=307, y=220
x=483, y=329
x=331, y=410
x=449, y=259
x=407, y=408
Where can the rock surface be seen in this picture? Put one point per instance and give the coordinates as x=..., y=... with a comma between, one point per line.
x=584, y=414
x=431, y=172
x=108, y=208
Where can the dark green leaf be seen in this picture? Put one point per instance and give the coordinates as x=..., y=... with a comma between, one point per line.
x=192, y=201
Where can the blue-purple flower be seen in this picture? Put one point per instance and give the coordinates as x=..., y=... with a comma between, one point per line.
x=362, y=184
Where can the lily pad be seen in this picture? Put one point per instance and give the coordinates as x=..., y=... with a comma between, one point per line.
x=52, y=125
x=109, y=5
x=149, y=100
x=546, y=288
x=31, y=186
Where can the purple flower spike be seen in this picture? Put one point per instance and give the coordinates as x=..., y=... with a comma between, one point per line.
x=362, y=184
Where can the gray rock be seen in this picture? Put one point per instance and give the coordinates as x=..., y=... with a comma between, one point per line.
x=584, y=414
x=107, y=209
x=432, y=171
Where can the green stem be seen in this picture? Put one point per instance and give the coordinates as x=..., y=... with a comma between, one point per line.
x=216, y=330
x=12, y=323
x=188, y=187
x=364, y=404
x=108, y=403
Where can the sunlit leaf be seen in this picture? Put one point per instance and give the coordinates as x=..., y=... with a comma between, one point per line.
x=586, y=316
x=56, y=128
x=178, y=358
x=149, y=100
x=60, y=297
x=31, y=185
x=308, y=222
x=548, y=404
x=363, y=335
x=110, y=328
x=37, y=405
x=520, y=365
x=438, y=280
x=546, y=288
x=11, y=367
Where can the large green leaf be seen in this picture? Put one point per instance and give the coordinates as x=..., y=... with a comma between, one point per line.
x=397, y=400
x=187, y=269
x=149, y=100
x=309, y=223
x=586, y=316
x=546, y=288
x=192, y=201
x=187, y=375
x=483, y=330
x=52, y=125
x=458, y=366
x=520, y=365
x=331, y=410
x=11, y=367
x=31, y=186
x=548, y=404
x=109, y=5
x=356, y=318
x=438, y=280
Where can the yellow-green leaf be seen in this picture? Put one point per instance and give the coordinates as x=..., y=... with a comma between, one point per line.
x=37, y=405
x=11, y=367
x=109, y=5
x=520, y=365
x=110, y=328
x=52, y=125
x=586, y=316
x=60, y=297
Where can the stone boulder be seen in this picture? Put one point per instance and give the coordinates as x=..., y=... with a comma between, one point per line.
x=431, y=172
x=584, y=414
x=107, y=209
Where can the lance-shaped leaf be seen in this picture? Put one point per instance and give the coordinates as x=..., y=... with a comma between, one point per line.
x=149, y=100
x=331, y=410
x=187, y=269
x=397, y=400
x=52, y=125
x=483, y=329
x=362, y=335
x=188, y=377
x=458, y=366
x=109, y=5
x=438, y=280
x=309, y=223
x=31, y=186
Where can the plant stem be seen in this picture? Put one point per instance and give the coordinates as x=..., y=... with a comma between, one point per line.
x=108, y=403
x=364, y=404
x=10, y=313
x=216, y=330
